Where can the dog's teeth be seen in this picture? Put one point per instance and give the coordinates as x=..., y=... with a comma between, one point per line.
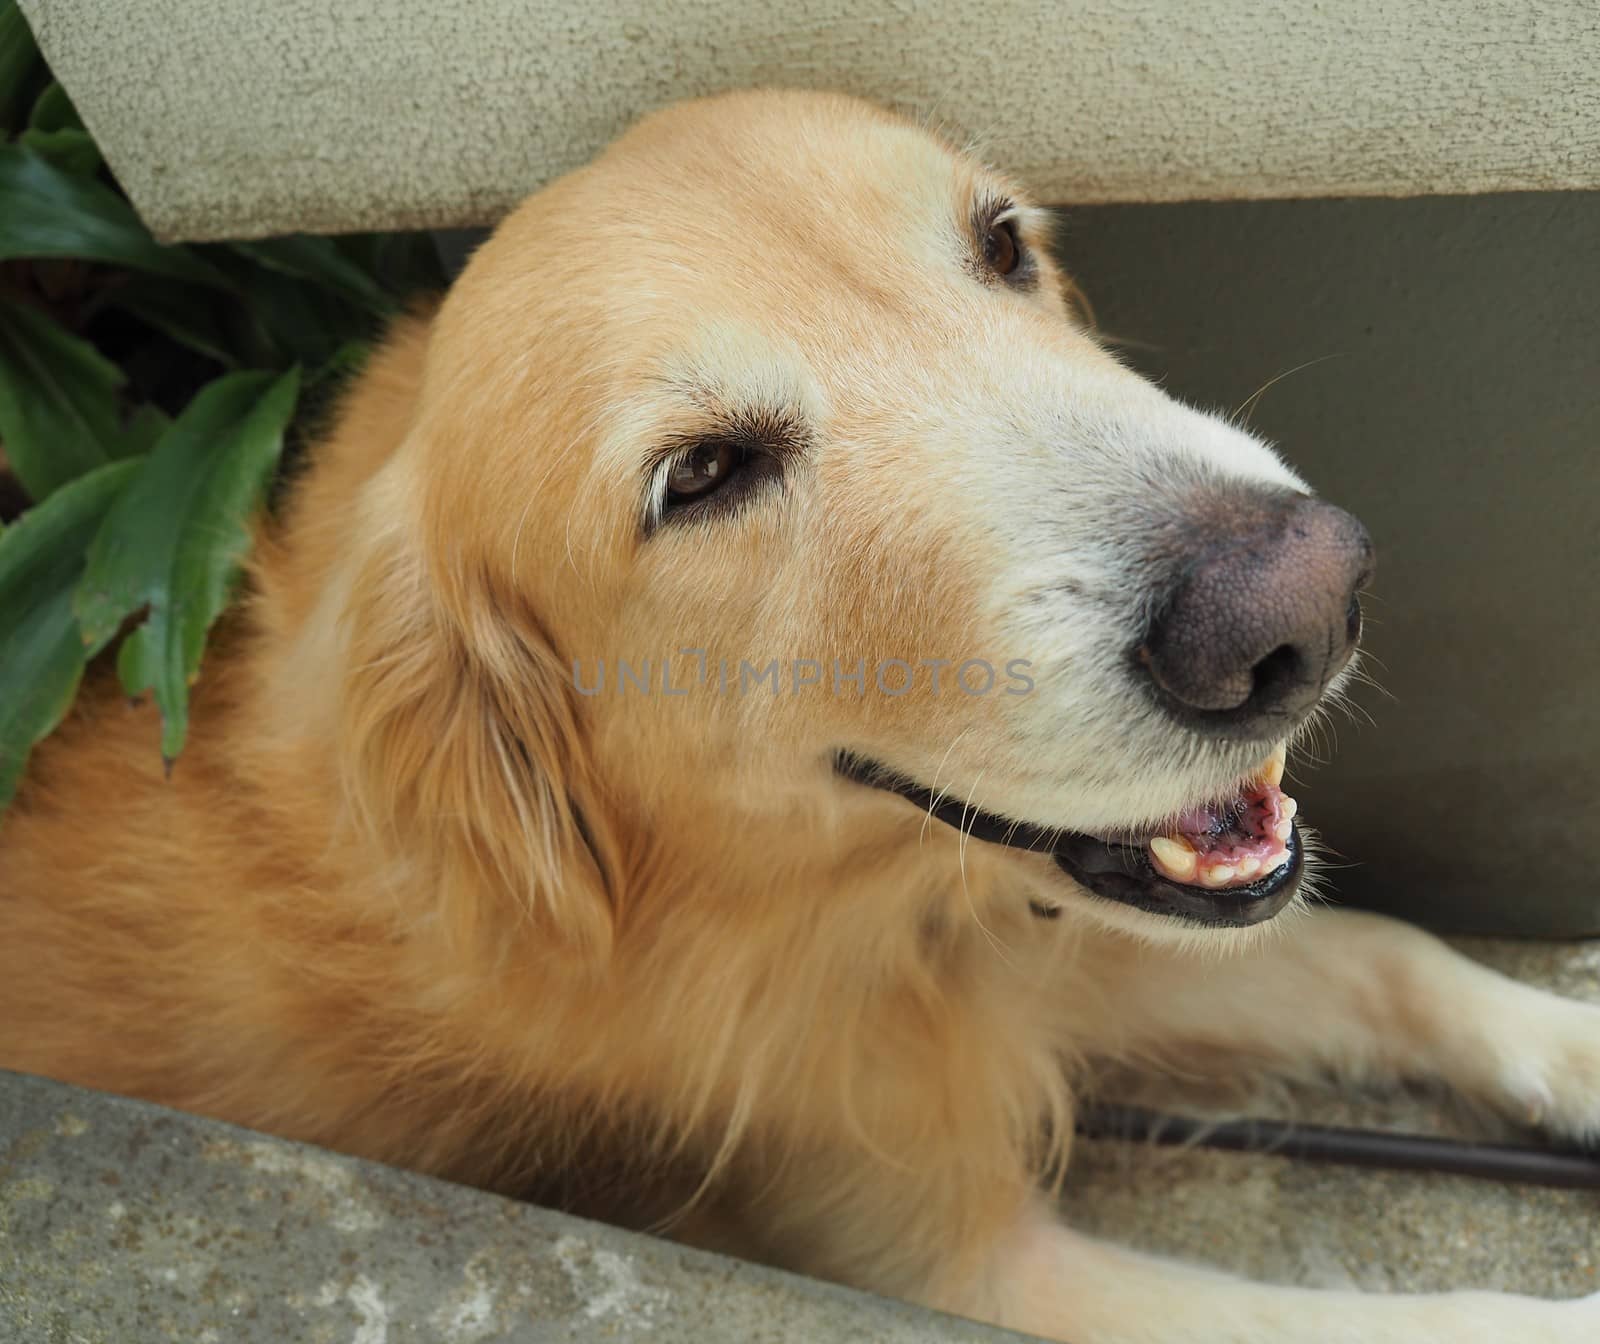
x=1274, y=861
x=1283, y=830
x=1249, y=866
x=1288, y=807
x=1272, y=767
x=1218, y=876
x=1174, y=857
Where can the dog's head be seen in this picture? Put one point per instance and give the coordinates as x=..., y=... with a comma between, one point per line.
x=763, y=471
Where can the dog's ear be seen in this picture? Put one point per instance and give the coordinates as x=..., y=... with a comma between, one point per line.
x=463, y=757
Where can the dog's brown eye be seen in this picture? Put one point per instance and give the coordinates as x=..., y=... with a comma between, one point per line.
x=1001, y=249
x=701, y=470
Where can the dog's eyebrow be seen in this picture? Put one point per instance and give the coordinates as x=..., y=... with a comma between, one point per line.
x=782, y=431
x=991, y=204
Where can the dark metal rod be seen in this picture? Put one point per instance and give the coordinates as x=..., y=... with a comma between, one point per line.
x=1566, y=1170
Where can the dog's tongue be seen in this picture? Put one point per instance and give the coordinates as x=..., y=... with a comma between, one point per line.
x=1233, y=843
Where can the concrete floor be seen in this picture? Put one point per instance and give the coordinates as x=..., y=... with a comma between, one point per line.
x=1290, y=1221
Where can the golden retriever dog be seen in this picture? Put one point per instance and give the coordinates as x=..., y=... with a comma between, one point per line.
x=747, y=702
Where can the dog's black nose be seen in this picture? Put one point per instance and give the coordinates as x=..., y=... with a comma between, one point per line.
x=1263, y=615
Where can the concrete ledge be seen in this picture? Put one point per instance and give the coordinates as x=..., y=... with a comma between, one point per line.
x=236, y=118
x=123, y=1223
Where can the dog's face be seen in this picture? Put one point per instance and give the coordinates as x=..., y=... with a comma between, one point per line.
x=781, y=379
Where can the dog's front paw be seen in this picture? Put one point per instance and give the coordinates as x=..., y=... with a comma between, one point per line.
x=1546, y=1054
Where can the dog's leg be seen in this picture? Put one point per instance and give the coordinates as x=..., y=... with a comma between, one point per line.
x=1365, y=998
x=1050, y=1281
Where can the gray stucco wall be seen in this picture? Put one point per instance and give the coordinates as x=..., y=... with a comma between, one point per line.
x=1456, y=409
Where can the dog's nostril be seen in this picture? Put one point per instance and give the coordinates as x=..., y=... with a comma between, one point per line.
x=1278, y=670
x=1352, y=620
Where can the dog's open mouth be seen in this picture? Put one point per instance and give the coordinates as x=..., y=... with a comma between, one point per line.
x=1234, y=862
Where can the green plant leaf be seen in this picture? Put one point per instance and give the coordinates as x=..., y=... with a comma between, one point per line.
x=58, y=401
x=144, y=428
x=321, y=262
x=284, y=320
x=18, y=55
x=172, y=544
x=336, y=370
x=47, y=212
x=56, y=132
x=71, y=151
x=42, y=654
x=322, y=386
x=186, y=313
x=405, y=263
x=53, y=110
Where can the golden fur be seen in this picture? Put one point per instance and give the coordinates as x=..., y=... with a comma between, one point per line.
x=410, y=895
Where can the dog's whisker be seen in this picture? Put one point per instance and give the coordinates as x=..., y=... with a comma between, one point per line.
x=938, y=793
x=1241, y=414
x=969, y=813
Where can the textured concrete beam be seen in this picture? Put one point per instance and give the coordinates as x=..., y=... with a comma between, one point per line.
x=239, y=118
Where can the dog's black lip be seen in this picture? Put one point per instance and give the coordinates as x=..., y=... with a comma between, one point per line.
x=1113, y=872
